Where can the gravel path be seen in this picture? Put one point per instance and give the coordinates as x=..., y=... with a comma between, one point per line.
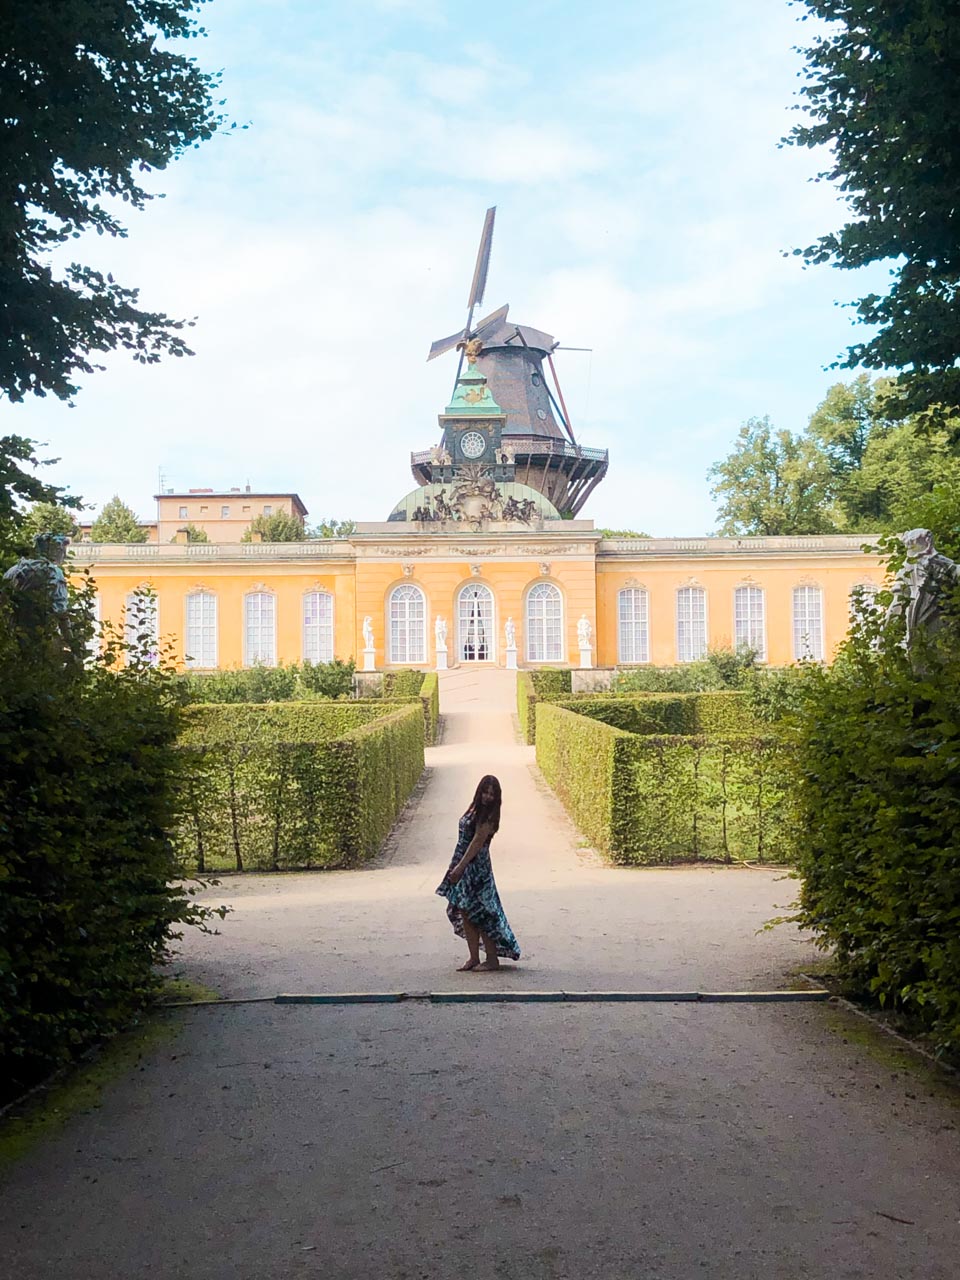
x=515, y=1142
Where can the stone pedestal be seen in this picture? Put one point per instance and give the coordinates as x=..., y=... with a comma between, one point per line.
x=586, y=657
x=512, y=659
x=369, y=659
x=441, y=659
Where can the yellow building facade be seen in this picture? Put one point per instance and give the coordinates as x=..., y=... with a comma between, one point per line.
x=572, y=597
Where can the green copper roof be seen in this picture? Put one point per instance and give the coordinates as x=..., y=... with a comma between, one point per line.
x=472, y=396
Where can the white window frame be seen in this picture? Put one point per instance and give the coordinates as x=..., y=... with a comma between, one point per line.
x=492, y=638
x=633, y=628
x=205, y=659
x=861, y=593
x=147, y=621
x=260, y=631
x=183, y=513
x=318, y=630
x=750, y=619
x=224, y=513
x=538, y=648
x=687, y=648
x=808, y=639
x=406, y=633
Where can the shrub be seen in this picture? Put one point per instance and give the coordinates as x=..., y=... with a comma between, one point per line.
x=879, y=795
x=725, y=712
x=295, y=784
x=89, y=777
x=532, y=686
x=720, y=669
x=646, y=799
x=294, y=681
x=411, y=685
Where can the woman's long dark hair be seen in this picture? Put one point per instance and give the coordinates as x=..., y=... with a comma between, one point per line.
x=488, y=813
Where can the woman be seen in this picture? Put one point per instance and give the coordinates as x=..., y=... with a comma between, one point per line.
x=473, y=904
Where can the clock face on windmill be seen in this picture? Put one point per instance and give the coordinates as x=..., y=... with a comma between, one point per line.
x=473, y=445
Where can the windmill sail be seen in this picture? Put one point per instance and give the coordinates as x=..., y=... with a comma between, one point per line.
x=483, y=261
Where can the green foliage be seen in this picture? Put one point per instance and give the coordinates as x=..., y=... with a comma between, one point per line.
x=881, y=99
x=331, y=528
x=879, y=793
x=724, y=711
x=773, y=483
x=298, y=681
x=410, y=685
x=17, y=486
x=720, y=669
x=621, y=533
x=117, y=523
x=315, y=784
x=92, y=95
x=279, y=527
x=533, y=686
x=643, y=798
x=49, y=517
x=194, y=533
x=861, y=469
x=88, y=785
x=938, y=510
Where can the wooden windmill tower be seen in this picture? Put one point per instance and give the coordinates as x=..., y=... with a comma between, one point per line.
x=536, y=428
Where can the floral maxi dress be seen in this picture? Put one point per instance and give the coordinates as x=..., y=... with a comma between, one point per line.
x=475, y=895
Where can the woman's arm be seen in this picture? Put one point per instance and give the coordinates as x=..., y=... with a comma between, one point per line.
x=480, y=838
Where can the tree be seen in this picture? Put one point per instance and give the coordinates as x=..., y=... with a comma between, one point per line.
x=91, y=96
x=280, y=527
x=332, y=528
x=117, y=523
x=621, y=533
x=881, y=93
x=49, y=517
x=18, y=486
x=194, y=534
x=772, y=483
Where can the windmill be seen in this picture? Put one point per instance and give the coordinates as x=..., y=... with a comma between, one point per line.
x=537, y=429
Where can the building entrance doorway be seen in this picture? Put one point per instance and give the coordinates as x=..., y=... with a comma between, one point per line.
x=475, y=635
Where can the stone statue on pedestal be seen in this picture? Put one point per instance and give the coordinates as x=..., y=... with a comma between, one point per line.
x=440, y=632
x=584, y=632
x=921, y=585
x=510, y=631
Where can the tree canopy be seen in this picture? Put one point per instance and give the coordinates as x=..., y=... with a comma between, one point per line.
x=279, y=527
x=18, y=486
x=92, y=97
x=117, y=523
x=330, y=527
x=772, y=483
x=49, y=517
x=881, y=94
x=852, y=470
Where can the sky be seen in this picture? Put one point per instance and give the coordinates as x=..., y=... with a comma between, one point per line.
x=644, y=211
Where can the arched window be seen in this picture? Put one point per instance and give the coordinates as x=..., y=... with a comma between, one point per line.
x=407, y=623
x=475, y=626
x=141, y=625
x=691, y=624
x=863, y=600
x=749, y=621
x=260, y=629
x=544, y=623
x=318, y=626
x=808, y=623
x=633, y=625
x=201, y=637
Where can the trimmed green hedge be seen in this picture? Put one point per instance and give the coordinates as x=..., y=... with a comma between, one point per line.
x=536, y=686
x=89, y=900
x=726, y=712
x=285, y=785
x=669, y=798
x=411, y=685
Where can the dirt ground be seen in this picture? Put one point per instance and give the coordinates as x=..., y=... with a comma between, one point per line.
x=518, y=1141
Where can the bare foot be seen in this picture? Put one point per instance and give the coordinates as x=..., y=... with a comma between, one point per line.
x=488, y=966
x=470, y=964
